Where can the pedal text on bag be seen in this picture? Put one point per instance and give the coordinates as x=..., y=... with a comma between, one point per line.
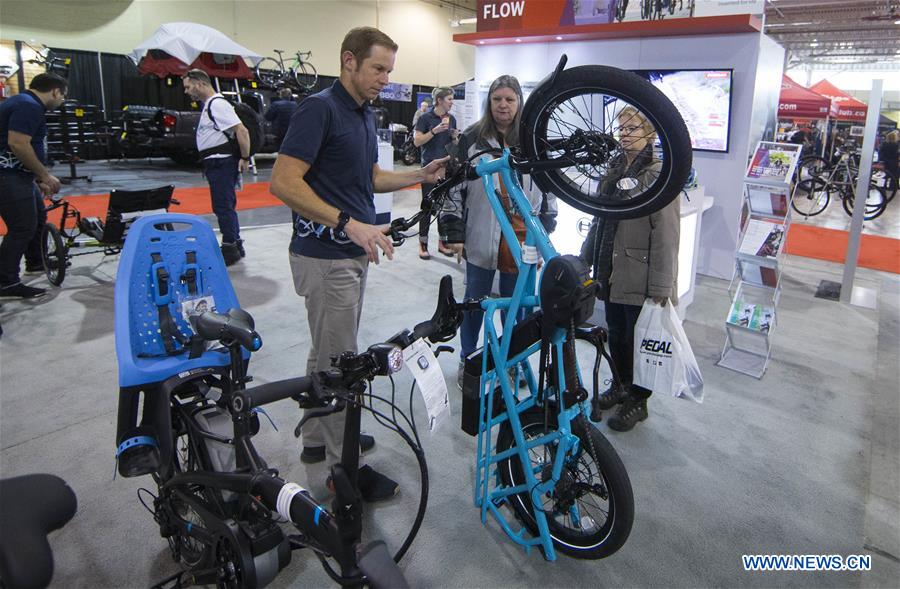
x=657, y=346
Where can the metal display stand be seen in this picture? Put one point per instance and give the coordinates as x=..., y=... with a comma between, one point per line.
x=756, y=284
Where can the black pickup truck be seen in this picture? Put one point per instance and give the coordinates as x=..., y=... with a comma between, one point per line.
x=149, y=131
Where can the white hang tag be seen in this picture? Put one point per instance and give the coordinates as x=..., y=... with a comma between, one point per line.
x=420, y=360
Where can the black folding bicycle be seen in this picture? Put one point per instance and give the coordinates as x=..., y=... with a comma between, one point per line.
x=222, y=519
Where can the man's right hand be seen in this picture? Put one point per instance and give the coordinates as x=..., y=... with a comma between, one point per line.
x=370, y=238
x=440, y=129
x=49, y=184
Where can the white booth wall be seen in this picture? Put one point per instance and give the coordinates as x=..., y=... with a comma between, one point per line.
x=757, y=62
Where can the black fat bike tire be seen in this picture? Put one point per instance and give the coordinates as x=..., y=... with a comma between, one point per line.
x=676, y=151
x=615, y=531
x=55, y=260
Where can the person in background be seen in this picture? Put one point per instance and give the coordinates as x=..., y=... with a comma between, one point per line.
x=632, y=260
x=327, y=173
x=423, y=108
x=25, y=180
x=217, y=126
x=803, y=138
x=888, y=156
x=485, y=250
x=435, y=130
x=279, y=113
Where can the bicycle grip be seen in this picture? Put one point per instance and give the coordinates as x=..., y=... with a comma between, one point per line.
x=278, y=390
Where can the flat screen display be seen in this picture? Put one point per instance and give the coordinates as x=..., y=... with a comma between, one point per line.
x=703, y=97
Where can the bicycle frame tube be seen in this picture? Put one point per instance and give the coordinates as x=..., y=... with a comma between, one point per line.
x=536, y=241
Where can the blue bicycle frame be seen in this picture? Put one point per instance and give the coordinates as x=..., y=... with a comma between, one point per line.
x=524, y=297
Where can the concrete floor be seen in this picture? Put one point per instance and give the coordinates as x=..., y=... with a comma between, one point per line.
x=804, y=461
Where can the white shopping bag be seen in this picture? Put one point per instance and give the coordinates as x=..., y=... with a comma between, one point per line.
x=663, y=359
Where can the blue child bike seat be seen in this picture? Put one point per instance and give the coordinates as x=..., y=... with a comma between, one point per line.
x=170, y=262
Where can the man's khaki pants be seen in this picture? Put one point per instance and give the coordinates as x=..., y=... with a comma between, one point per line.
x=333, y=290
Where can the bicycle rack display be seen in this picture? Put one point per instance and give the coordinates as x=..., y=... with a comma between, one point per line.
x=756, y=284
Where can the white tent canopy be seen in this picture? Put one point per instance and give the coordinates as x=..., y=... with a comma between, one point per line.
x=185, y=41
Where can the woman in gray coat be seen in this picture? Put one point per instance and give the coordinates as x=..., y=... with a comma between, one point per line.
x=633, y=260
x=484, y=250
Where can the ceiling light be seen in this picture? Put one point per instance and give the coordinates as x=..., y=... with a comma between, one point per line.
x=481, y=42
x=558, y=38
x=518, y=40
x=813, y=44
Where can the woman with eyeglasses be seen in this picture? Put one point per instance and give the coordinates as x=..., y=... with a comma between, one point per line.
x=632, y=260
x=485, y=248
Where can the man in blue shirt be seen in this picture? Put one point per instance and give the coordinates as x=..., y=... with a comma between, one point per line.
x=280, y=112
x=25, y=180
x=327, y=172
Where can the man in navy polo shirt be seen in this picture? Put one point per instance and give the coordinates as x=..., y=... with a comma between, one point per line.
x=327, y=172
x=25, y=180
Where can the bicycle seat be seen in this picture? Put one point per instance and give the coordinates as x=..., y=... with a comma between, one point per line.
x=31, y=506
x=237, y=325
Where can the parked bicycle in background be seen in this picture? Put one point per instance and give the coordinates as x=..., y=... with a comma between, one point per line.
x=298, y=73
x=817, y=181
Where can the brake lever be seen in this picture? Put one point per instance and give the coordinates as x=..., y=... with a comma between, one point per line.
x=316, y=413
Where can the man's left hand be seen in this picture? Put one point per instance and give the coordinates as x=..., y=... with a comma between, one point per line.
x=660, y=301
x=434, y=171
x=243, y=165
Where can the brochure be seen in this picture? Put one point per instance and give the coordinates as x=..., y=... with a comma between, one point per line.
x=755, y=317
x=762, y=238
x=774, y=161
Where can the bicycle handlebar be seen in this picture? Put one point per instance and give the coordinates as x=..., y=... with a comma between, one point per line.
x=349, y=370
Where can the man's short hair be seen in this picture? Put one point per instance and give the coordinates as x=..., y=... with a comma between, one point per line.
x=198, y=75
x=48, y=83
x=284, y=93
x=359, y=42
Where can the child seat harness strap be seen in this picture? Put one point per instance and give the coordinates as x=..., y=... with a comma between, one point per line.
x=162, y=297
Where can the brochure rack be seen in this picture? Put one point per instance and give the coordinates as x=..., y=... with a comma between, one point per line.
x=756, y=285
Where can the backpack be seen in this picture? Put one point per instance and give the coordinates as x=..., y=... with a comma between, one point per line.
x=249, y=119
